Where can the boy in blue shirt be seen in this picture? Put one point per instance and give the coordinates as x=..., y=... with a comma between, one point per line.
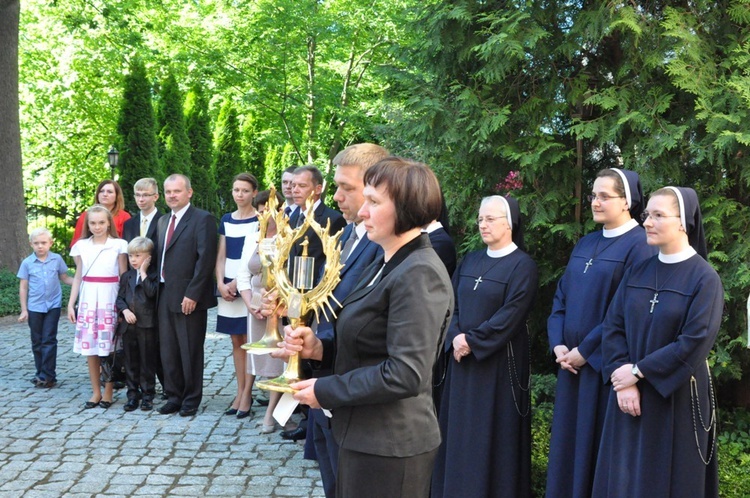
x=41, y=297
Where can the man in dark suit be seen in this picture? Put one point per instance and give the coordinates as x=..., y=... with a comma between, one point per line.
x=144, y=225
x=186, y=259
x=308, y=180
x=287, y=182
x=146, y=191
x=351, y=164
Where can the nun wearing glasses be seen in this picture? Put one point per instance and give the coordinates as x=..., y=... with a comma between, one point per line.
x=660, y=428
x=594, y=271
x=485, y=421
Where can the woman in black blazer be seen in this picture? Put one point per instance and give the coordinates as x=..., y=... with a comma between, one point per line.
x=388, y=334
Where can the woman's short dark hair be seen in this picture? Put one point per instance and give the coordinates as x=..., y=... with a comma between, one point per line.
x=413, y=188
x=247, y=178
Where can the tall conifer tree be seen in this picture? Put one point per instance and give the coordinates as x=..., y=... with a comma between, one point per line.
x=228, y=160
x=174, y=146
x=198, y=124
x=136, y=129
x=252, y=149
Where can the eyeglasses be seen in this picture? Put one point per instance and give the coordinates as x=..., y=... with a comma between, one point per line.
x=489, y=219
x=657, y=217
x=603, y=197
x=143, y=196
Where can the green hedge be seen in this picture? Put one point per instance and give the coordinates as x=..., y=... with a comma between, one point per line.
x=9, y=304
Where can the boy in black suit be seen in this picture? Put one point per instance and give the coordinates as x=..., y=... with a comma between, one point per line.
x=136, y=302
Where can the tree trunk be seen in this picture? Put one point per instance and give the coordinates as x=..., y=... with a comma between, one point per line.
x=13, y=236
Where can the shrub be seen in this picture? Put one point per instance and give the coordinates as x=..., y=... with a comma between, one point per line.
x=542, y=399
x=9, y=304
x=734, y=454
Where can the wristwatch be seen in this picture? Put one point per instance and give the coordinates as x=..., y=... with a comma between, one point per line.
x=636, y=372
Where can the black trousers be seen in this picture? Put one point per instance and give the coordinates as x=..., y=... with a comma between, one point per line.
x=141, y=358
x=362, y=475
x=181, y=339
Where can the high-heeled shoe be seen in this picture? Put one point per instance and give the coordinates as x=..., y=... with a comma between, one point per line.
x=231, y=411
x=267, y=429
x=245, y=414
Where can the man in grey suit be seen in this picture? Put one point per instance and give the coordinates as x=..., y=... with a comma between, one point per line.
x=186, y=258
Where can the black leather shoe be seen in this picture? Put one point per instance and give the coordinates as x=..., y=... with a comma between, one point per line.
x=231, y=411
x=90, y=404
x=188, y=412
x=243, y=414
x=131, y=405
x=261, y=401
x=105, y=404
x=294, y=434
x=147, y=405
x=168, y=408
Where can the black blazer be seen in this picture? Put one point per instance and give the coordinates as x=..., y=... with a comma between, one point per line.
x=190, y=259
x=360, y=258
x=132, y=227
x=139, y=298
x=387, y=338
x=315, y=246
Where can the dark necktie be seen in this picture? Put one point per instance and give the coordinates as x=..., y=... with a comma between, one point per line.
x=170, y=230
x=348, y=245
x=300, y=220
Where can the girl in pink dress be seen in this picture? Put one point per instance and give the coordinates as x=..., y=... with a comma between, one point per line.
x=100, y=257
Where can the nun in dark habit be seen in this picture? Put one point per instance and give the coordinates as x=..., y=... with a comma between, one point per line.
x=594, y=271
x=484, y=417
x=659, y=436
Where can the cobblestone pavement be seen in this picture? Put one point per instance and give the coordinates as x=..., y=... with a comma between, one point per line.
x=50, y=446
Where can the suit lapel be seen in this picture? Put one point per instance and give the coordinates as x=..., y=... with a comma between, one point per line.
x=180, y=226
x=358, y=249
x=151, y=231
x=318, y=213
x=363, y=288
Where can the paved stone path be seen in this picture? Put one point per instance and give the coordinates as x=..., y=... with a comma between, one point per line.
x=50, y=446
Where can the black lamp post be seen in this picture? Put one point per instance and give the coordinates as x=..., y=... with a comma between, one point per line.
x=112, y=157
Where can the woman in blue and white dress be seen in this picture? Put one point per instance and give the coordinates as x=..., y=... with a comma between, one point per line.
x=234, y=229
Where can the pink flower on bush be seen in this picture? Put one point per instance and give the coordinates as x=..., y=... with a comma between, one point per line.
x=512, y=182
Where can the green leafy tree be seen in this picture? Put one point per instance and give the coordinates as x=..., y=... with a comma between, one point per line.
x=228, y=160
x=137, y=133
x=488, y=89
x=174, y=145
x=199, y=133
x=272, y=167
